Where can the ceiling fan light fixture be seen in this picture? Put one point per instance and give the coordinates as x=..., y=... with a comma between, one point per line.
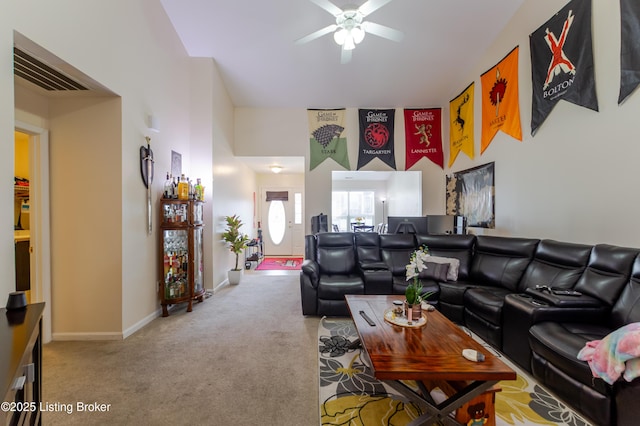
x=358, y=34
x=340, y=36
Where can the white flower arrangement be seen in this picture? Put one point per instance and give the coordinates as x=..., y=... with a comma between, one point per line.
x=417, y=264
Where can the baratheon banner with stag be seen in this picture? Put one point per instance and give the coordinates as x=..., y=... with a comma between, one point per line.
x=461, y=125
x=500, y=100
x=326, y=127
x=562, y=62
x=376, y=136
x=423, y=135
x=629, y=47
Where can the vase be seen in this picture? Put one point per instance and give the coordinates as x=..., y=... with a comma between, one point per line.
x=413, y=312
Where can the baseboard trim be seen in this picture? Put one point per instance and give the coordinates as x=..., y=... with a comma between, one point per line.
x=140, y=324
x=86, y=336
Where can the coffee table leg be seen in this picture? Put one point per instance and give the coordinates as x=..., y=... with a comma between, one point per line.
x=440, y=412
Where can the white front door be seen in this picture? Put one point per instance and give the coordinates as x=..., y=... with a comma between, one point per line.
x=281, y=230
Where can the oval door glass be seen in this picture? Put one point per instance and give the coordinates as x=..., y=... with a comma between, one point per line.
x=277, y=221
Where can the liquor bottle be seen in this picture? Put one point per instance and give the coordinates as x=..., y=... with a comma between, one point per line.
x=174, y=188
x=167, y=187
x=199, y=190
x=183, y=188
x=190, y=182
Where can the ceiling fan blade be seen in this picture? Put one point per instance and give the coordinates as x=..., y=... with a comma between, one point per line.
x=371, y=6
x=328, y=6
x=383, y=31
x=317, y=34
x=345, y=56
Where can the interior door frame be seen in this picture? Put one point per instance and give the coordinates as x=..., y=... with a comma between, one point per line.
x=40, y=226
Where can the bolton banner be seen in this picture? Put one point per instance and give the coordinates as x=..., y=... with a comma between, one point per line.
x=423, y=135
x=629, y=48
x=376, y=136
x=461, y=124
x=326, y=127
x=500, y=100
x=562, y=62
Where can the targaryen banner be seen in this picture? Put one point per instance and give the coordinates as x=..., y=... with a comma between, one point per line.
x=629, y=47
x=461, y=125
x=376, y=136
x=562, y=62
x=500, y=106
x=326, y=127
x=423, y=134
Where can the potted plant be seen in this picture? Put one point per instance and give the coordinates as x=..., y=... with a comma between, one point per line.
x=413, y=293
x=237, y=243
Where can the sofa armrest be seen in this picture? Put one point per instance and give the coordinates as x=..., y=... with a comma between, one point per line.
x=311, y=269
x=562, y=301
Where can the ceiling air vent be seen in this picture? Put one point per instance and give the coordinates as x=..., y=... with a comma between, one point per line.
x=41, y=74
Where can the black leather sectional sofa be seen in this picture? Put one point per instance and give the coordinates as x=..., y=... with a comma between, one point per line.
x=507, y=292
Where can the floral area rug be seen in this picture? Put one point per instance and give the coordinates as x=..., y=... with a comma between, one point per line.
x=351, y=395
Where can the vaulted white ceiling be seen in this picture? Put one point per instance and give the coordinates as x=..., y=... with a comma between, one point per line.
x=252, y=41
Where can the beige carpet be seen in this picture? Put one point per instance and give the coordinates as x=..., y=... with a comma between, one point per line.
x=245, y=356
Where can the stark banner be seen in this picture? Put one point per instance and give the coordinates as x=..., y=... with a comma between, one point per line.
x=376, y=136
x=423, y=134
x=562, y=62
x=326, y=127
x=629, y=48
x=461, y=125
x=500, y=100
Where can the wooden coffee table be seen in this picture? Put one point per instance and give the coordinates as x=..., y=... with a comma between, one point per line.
x=426, y=354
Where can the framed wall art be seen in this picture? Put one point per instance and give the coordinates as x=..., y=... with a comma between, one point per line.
x=471, y=193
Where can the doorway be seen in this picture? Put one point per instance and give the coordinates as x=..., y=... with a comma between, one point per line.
x=281, y=214
x=37, y=224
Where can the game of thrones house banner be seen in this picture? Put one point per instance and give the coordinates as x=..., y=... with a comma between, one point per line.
x=629, y=47
x=326, y=127
x=423, y=134
x=376, y=136
x=500, y=100
x=562, y=62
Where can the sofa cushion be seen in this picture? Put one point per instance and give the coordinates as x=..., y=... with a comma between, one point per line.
x=560, y=343
x=334, y=287
x=556, y=264
x=396, y=250
x=627, y=307
x=501, y=261
x=435, y=271
x=486, y=303
x=451, y=246
x=453, y=266
x=607, y=272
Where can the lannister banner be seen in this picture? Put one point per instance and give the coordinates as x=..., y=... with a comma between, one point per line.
x=461, y=125
x=562, y=62
x=629, y=47
x=376, y=136
x=500, y=106
x=423, y=134
x=326, y=127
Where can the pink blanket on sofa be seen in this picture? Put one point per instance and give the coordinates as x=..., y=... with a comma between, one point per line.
x=618, y=354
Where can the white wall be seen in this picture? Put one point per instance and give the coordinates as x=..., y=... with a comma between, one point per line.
x=574, y=181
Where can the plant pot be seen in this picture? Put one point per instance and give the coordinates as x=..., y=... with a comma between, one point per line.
x=235, y=275
x=416, y=311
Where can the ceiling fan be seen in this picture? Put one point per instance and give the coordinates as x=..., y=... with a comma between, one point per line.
x=350, y=26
